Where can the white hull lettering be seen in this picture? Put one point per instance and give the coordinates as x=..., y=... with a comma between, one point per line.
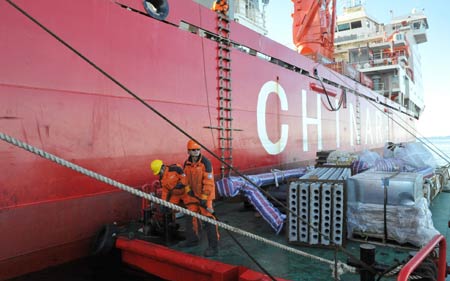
x=352, y=126
x=369, y=135
x=378, y=126
x=311, y=121
x=338, y=135
x=271, y=87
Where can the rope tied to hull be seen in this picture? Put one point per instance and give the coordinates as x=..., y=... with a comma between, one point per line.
x=343, y=268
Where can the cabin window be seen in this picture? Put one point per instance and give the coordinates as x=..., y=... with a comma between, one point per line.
x=398, y=37
x=356, y=24
x=358, y=55
x=343, y=26
x=251, y=8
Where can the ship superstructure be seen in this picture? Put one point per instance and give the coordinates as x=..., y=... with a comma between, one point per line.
x=386, y=53
x=249, y=13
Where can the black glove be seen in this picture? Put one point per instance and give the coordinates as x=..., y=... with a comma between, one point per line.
x=203, y=203
x=191, y=193
x=179, y=186
x=163, y=209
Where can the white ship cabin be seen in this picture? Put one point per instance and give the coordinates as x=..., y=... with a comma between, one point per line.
x=249, y=13
x=387, y=54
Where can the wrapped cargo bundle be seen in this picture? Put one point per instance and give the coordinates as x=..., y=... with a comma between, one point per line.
x=390, y=206
x=404, y=224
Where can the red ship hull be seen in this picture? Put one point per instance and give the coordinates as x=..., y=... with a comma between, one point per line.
x=52, y=99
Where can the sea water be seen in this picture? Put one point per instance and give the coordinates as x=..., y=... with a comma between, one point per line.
x=440, y=147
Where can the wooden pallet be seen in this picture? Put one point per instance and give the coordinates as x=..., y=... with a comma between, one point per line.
x=378, y=239
x=322, y=157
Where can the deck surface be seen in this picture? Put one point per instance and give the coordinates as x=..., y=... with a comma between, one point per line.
x=277, y=262
x=286, y=265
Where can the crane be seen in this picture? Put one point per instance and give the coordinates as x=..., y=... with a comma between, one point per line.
x=313, y=27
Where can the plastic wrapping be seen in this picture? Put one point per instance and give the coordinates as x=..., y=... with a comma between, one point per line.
x=405, y=224
x=389, y=147
x=369, y=187
x=341, y=157
x=370, y=157
x=390, y=165
x=413, y=154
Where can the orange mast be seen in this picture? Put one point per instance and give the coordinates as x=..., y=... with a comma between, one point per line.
x=313, y=27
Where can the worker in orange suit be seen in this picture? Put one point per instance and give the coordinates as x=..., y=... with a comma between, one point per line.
x=200, y=179
x=220, y=6
x=173, y=181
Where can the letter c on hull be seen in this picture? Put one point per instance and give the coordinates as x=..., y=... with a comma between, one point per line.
x=271, y=87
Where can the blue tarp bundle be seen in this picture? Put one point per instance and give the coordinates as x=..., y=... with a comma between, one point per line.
x=232, y=186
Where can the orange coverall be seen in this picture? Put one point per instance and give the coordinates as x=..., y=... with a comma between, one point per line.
x=200, y=178
x=173, y=183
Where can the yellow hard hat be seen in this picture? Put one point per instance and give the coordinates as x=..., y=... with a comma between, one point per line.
x=156, y=166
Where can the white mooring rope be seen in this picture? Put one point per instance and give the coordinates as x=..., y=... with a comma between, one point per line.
x=342, y=267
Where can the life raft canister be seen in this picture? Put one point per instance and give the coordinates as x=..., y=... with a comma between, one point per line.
x=158, y=9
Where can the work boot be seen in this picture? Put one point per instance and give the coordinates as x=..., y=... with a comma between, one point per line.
x=191, y=238
x=213, y=240
x=211, y=252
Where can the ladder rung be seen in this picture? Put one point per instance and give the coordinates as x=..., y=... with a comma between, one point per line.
x=224, y=138
x=223, y=82
x=224, y=47
x=226, y=169
x=223, y=28
x=224, y=88
x=224, y=58
x=225, y=20
x=224, y=44
x=224, y=64
x=225, y=68
x=223, y=40
x=223, y=17
x=226, y=158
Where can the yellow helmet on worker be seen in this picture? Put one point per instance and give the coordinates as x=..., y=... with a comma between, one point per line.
x=192, y=145
x=156, y=166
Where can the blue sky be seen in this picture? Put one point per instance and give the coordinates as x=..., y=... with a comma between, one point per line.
x=435, y=121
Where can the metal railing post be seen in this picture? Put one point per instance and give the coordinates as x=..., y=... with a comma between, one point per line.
x=422, y=254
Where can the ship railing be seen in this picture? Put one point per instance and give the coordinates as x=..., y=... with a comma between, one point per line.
x=354, y=37
x=408, y=269
x=380, y=59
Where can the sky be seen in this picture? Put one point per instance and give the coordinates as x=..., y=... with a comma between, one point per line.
x=435, y=120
